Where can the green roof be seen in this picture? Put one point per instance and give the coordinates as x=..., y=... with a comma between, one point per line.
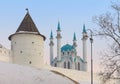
x=74, y=38
x=51, y=35
x=67, y=47
x=84, y=29
x=58, y=27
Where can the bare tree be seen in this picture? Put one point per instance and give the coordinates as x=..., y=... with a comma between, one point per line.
x=109, y=27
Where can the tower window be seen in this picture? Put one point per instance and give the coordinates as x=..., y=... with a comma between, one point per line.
x=30, y=62
x=63, y=53
x=64, y=64
x=15, y=42
x=68, y=53
x=32, y=42
x=21, y=51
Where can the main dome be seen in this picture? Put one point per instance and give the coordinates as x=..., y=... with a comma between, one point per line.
x=67, y=47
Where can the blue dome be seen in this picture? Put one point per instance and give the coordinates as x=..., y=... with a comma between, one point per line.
x=67, y=47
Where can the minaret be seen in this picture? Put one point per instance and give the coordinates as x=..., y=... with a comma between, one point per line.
x=59, y=42
x=74, y=41
x=74, y=52
x=51, y=48
x=84, y=39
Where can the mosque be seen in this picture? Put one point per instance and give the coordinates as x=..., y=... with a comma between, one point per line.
x=27, y=48
x=67, y=54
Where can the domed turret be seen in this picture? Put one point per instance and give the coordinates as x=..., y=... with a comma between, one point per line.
x=67, y=47
x=68, y=50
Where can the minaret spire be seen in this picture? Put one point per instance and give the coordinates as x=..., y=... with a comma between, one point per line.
x=58, y=42
x=84, y=29
x=51, y=48
x=58, y=27
x=51, y=35
x=74, y=40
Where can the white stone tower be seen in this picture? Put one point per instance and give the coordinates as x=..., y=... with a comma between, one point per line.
x=51, y=49
x=27, y=44
x=84, y=39
x=59, y=42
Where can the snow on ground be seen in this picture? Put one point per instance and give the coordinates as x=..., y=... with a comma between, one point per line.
x=18, y=74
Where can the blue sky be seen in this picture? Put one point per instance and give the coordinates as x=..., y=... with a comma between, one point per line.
x=72, y=14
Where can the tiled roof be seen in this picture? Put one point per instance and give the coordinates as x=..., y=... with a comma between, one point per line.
x=27, y=24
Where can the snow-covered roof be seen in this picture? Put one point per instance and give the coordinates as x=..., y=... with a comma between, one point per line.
x=17, y=74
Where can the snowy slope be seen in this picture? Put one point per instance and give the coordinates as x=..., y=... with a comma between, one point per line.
x=17, y=74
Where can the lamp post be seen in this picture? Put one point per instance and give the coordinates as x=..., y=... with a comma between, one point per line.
x=91, y=41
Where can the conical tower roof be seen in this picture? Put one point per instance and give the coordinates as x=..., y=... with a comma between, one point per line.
x=27, y=25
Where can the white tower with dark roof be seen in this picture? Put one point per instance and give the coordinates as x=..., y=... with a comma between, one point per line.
x=51, y=49
x=27, y=44
x=59, y=42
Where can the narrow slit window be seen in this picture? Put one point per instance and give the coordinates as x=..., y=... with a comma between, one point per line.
x=30, y=62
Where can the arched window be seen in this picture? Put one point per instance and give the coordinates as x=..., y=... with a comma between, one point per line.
x=78, y=66
x=64, y=64
x=68, y=65
x=68, y=53
x=55, y=65
x=30, y=62
x=63, y=53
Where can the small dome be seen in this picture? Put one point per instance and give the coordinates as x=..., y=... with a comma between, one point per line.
x=67, y=47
